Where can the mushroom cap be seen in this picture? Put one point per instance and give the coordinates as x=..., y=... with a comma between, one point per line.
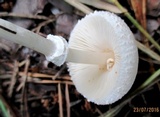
x=103, y=31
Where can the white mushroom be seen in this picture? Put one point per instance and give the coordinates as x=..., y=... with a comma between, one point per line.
x=102, y=54
x=104, y=32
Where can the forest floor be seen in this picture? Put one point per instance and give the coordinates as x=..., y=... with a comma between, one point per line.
x=31, y=86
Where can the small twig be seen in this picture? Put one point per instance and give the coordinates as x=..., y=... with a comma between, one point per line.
x=40, y=75
x=67, y=100
x=148, y=51
x=59, y=72
x=38, y=81
x=24, y=108
x=144, y=99
x=98, y=111
x=27, y=16
x=37, y=29
x=60, y=100
x=33, y=98
x=13, y=78
x=150, y=61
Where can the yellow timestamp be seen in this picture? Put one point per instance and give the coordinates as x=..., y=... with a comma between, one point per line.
x=146, y=109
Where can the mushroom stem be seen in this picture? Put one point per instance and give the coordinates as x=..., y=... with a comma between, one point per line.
x=12, y=32
x=84, y=57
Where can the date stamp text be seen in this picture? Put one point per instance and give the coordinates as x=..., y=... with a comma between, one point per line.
x=146, y=109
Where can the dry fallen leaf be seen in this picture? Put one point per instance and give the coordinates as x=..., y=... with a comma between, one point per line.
x=153, y=7
x=28, y=7
x=152, y=25
x=65, y=23
x=101, y=5
x=139, y=8
x=62, y=5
